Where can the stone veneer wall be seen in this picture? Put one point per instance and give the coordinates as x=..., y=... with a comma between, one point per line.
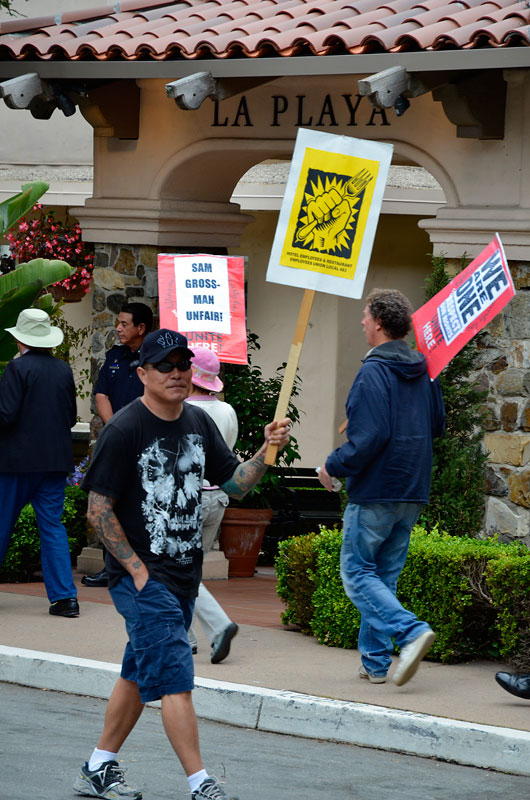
x=504, y=361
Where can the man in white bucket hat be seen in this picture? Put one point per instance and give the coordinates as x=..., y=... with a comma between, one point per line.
x=37, y=411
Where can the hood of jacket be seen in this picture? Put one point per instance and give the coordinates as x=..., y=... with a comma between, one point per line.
x=397, y=356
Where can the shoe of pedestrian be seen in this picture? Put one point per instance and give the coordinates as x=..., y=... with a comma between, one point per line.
x=69, y=607
x=210, y=789
x=106, y=781
x=194, y=650
x=101, y=578
x=519, y=685
x=410, y=657
x=221, y=643
x=372, y=678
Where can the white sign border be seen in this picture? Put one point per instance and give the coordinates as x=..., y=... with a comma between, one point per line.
x=307, y=279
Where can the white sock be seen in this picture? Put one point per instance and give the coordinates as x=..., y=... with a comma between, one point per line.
x=196, y=779
x=99, y=757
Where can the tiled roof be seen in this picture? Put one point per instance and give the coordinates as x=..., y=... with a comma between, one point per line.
x=160, y=30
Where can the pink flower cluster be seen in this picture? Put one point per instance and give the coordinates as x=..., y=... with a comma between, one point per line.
x=46, y=237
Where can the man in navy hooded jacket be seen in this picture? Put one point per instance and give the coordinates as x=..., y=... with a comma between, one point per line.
x=394, y=411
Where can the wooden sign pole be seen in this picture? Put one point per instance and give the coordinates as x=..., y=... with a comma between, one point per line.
x=292, y=366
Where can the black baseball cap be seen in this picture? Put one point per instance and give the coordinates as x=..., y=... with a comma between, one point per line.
x=158, y=344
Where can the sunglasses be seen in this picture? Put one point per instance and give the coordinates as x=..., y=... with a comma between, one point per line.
x=169, y=366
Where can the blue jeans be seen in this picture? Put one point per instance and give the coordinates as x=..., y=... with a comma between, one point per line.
x=374, y=548
x=45, y=492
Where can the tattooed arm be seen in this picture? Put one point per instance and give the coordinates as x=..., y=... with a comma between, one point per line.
x=101, y=516
x=250, y=472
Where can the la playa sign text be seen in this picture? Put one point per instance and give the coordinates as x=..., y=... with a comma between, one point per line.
x=301, y=111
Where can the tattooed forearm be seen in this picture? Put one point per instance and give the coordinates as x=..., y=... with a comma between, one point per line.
x=246, y=476
x=110, y=533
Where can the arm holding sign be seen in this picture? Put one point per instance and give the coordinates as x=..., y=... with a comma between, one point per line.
x=249, y=473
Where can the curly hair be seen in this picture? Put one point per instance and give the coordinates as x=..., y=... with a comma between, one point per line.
x=393, y=311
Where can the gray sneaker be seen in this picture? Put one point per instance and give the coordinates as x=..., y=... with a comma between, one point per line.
x=410, y=657
x=363, y=673
x=221, y=643
x=210, y=789
x=106, y=781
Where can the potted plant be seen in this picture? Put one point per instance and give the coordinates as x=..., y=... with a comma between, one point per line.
x=254, y=399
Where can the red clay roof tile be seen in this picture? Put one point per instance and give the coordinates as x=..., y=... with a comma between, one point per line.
x=162, y=29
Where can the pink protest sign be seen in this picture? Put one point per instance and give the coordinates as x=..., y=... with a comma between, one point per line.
x=452, y=317
x=203, y=297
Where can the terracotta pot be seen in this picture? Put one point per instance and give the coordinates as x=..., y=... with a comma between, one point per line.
x=242, y=531
x=74, y=295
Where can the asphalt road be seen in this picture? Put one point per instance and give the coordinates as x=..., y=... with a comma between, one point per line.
x=46, y=736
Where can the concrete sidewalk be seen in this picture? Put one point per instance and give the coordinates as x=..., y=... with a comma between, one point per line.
x=278, y=680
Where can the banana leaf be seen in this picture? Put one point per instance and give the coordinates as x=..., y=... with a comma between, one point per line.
x=47, y=303
x=11, y=304
x=42, y=269
x=12, y=209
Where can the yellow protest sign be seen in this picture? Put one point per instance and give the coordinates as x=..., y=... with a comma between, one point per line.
x=329, y=214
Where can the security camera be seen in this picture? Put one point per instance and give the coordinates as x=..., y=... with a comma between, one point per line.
x=20, y=92
x=190, y=92
x=384, y=87
x=40, y=97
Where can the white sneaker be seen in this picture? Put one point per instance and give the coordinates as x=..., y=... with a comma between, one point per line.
x=410, y=657
x=372, y=678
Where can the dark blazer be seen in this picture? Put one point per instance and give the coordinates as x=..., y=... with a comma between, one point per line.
x=37, y=412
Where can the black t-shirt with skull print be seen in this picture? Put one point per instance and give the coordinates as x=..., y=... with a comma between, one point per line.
x=154, y=470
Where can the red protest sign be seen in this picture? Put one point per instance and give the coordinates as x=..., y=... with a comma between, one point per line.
x=452, y=317
x=203, y=297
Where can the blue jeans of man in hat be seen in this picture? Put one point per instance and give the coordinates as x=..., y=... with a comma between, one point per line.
x=45, y=492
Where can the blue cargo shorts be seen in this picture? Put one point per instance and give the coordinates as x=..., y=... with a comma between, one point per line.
x=158, y=655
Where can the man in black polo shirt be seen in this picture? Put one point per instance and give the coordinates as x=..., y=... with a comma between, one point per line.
x=118, y=383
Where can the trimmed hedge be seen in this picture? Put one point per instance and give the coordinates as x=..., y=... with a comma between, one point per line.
x=22, y=559
x=475, y=593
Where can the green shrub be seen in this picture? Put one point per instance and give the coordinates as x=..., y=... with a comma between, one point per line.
x=443, y=583
x=335, y=621
x=508, y=579
x=295, y=566
x=474, y=593
x=22, y=559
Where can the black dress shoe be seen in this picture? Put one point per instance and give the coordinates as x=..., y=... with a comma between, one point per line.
x=101, y=578
x=69, y=607
x=519, y=685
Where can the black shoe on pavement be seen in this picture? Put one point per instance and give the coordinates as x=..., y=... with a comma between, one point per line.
x=69, y=607
x=221, y=643
x=101, y=578
x=519, y=685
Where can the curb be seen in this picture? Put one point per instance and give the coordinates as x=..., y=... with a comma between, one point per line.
x=469, y=744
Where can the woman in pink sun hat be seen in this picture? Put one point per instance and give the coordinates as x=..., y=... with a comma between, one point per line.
x=218, y=627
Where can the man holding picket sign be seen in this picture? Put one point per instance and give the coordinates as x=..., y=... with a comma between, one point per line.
x=394, y=411
x=323, y=242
